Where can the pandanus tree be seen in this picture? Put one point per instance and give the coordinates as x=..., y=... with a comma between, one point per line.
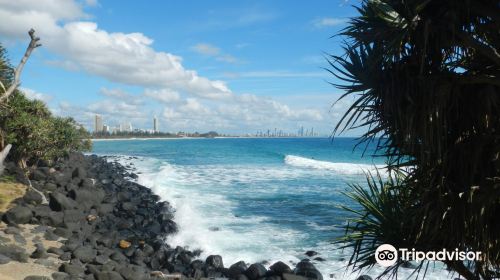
x=10, y=79
x=425, y=79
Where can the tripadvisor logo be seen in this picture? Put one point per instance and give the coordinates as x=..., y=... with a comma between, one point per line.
x=387, y=255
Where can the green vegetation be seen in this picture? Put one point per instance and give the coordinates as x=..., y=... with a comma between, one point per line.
x=425, y=77
x=32, y=130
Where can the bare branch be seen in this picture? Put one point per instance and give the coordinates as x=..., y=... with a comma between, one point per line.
x=34, y=43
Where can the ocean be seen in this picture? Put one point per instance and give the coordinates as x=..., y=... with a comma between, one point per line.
x=256, y=199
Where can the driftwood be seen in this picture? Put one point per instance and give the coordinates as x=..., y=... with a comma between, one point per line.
x=3, y=155
x=34, y=43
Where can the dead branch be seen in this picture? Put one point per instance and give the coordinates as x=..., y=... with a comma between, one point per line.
x=34, y=43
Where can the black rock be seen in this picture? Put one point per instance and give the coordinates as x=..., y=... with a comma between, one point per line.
x=55, y=218
x=60, y=275
x=14, y=252
x=66, y=256
x=72, y=269
x=59, y=202
x=256, y=271
x=62, y=232
x=319, y=259
x=278, y=268
x=215, y=261
x=55, y=250
x=306, y=268
x=38, y=175
x=4, y=259
x=237, y=269
x=108, y=275
x=311, y=253
x=18, y=215
x=32, y=197
x=35, y=277
x=50, y=235
x=12, y=230
x=79, y=172
x=101, y=259
x=85, y=254
x=45, y=262
x=364, y=277
x=40, y=252
x=73, y=216
x=19, y=239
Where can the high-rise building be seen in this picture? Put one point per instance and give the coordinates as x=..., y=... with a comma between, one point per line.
x=126, y=127
x=98, y=126
x=155, y=125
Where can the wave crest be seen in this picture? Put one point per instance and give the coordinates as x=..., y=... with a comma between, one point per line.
x=339, y=167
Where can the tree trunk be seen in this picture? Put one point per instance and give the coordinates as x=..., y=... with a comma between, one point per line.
x=3, y=156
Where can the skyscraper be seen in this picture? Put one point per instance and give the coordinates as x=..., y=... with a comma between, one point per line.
x=98, y=127
x=155, y=124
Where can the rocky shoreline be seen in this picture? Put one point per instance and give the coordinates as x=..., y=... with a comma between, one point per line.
x=113, y=228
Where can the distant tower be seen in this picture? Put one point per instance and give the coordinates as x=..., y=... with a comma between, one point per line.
x=98, y=127
x=155, y=124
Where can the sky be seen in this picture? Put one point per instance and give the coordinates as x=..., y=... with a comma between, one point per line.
x=231, y=66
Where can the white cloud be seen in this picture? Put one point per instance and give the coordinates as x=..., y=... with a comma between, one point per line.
x=274, y=74
x=92, y=3
x=213, y=51
x=32, y=94
x=126, y=58
x=206, y=49
x=328, y=22
x=130, y=59
x=163, y=95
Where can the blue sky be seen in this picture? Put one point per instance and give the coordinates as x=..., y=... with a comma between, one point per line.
x=230, y=66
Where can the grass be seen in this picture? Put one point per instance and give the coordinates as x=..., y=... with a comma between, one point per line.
x=9, y=191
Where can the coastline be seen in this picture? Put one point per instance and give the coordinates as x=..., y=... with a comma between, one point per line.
x=113, y=227
x=189, y=138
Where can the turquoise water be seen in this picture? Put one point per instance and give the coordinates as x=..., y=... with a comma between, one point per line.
x=254, y=199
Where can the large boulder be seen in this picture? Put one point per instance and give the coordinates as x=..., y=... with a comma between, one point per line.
x=215, y=261
x=278, y=268
x=59, y=202
x=85, y=254
x=307, y=269
x=256, y=271
x=33, y=197
x=18, y=215
x=237, y=269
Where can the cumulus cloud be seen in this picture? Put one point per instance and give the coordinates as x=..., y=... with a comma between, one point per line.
x=126, y=58
x=130, y=59
x=163, y=95
x=328, y=22
x=32, y=94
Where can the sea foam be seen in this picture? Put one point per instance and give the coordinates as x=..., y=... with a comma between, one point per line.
x=339, y=167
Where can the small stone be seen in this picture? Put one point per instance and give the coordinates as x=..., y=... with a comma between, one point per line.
x=124, y=244
x=12, y=230
x=60, y=275
x=4, y=259
x=311, y=253
x=40, y=252
x=34, y=277
x=91, y=218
